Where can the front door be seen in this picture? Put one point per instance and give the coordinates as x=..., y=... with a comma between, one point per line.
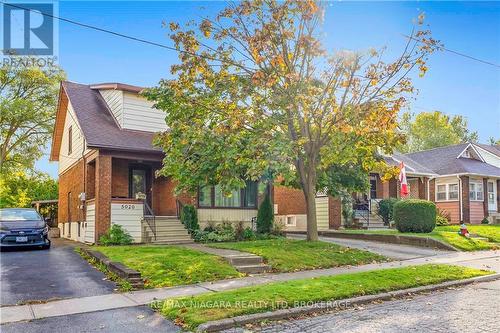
x=140, y=182
x=492, y=196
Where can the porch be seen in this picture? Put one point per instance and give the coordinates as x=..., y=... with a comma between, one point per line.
x=124, y=190
x=365, y=205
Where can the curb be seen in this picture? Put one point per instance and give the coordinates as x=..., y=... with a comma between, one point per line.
x=218, y=325
x=427, y=242
x=124, y=272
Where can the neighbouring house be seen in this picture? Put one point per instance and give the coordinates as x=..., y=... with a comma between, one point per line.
x=463, y=180
x=107, y=170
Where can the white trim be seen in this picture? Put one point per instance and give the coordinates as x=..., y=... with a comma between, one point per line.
x=475, y=150
x=467, y=174
x=294, y=219
x=447, y=192
x=476, y=183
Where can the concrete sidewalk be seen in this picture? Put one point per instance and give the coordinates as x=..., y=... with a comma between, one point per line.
x=481, y=260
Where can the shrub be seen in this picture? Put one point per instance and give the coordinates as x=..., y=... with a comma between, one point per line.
x=386, y=208
x=265, y=216
x=441, y=221
x=248, y=234
x=189, y=218
x=485, y=221
x=238, y=231
x=347, y=208
x=116, y=235
x=415, y=215
x=223, y=232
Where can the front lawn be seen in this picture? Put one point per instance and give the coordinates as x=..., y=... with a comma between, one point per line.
x=287, y=255
x=166, y=266
x=449, y=235
x=195, y=310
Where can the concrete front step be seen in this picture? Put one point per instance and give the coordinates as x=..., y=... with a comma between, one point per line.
x=168, y=232
x=253, y=269
x=245, y=260
x=172, y=242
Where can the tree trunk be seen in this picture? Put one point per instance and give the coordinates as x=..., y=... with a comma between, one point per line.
x=312, y=224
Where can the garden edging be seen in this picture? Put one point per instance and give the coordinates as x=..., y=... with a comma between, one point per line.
x=386, y=238
x=223, y=324
x=132, y=276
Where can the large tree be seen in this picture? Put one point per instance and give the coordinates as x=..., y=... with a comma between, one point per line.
x=27, y=112
x=256, y=93
x=428, y=130
x=19, y=188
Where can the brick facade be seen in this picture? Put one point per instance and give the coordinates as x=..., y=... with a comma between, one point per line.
x=485, y=194
x=465, y=199
x=71, y=181
x=432, y=190
x=498, y=195
x=103, y=194
x=334, y=213
x=290, y=201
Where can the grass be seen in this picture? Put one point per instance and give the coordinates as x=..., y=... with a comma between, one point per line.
x=449, y=235
x=287, y=255
x=166, y=266
x=123, y=285
x=195, y=310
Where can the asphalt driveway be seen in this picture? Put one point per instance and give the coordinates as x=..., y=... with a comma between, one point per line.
x=41, y=275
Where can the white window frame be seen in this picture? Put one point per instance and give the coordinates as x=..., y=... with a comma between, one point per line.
x=447, y=191
x=477, y=185
x=293, y=218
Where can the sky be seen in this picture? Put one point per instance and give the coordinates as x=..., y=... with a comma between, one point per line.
x=454, y=85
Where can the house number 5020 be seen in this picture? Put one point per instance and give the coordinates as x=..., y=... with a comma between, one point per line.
x=128, y=206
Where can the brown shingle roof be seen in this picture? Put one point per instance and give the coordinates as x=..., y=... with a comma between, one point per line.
x=98, y=124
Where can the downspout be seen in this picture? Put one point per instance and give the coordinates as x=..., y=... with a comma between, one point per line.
x=460, y=198
x=429, y=188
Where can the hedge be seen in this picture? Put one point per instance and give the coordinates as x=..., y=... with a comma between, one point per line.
x=413, y=215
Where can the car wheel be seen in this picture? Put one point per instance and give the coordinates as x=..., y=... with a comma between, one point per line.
x=46, y=247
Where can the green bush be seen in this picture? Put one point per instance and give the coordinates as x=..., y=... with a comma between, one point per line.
x=386, y=208
x=415, y=215
x=265, y=216
x=485, y=221
x=248, y=234
x=441, y=220
x=189, y=218
x=116, y=235
x=223, y=232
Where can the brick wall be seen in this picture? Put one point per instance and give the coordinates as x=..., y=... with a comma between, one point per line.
x=432, y=190
x=164, y=200
x=120, y=178
x=465, y=199
x=498, y=195
x=71, y=181
x=290, y=201
x=103, y=194
x=334, y=213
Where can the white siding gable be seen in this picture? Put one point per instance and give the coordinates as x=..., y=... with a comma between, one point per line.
x=139, y=114
x=67, y=159
x=114, y=99
x=133, y=111
x=489, y=157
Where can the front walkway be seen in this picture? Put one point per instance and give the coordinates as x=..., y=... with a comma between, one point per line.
x=395, y=251
x=481, y=260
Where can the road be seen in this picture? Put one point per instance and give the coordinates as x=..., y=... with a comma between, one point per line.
x=470, y=309
x=41, y=275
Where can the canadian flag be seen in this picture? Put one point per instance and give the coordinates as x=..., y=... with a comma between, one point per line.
x=402, y=180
